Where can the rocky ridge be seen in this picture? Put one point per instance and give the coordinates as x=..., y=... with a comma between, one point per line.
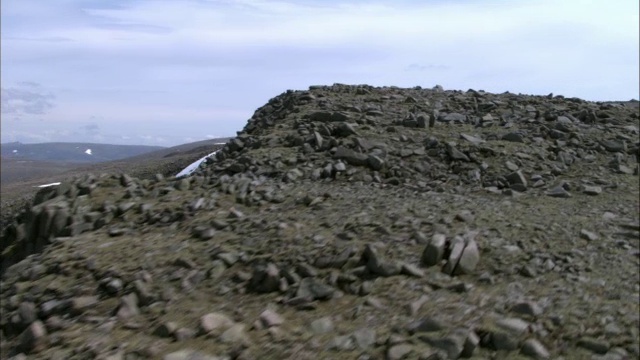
x=349, y=222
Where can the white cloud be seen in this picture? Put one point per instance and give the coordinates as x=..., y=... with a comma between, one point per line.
x=148, y=65
x=26, y=98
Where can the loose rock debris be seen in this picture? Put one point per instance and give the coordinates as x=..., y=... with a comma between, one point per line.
x=348, y=222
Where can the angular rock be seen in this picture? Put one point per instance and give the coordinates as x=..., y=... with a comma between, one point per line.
x=265, y=279
x=166, y=329
x=457, y=248
x=344, y=129
x=456, y=154
x=270, y=318
x=592, y=190
x=469, y=259
x=376, y=265
x=588, y=235
x=350, y=156
x=375, y=163
x=314, y=289
x=517, y=178
x=27, y=312
x=128, y=306
x=214, y=322
x=34, y=339
x=434, y=251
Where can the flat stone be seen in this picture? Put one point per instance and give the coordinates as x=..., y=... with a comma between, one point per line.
x=472, y=139
x=188, y=354
x=527, y=308
x=341, y=343
x=411, y=270
x=534, y=348
x=270, y=318
x=456, y=154
x=399, y=351
x=513, y=137
x=452, y=117
x=558, y=192
x=503, y=340
x=452, y=344
x=427, y=324
x=613, y=145
x=592, y=190
x=365, y=338
x=514, y=325
x=588, y=235
x=322, y=326
x=594, y=345
x=81, y=303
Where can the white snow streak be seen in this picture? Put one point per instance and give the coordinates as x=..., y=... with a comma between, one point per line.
x=47, y=185
x=191, y=168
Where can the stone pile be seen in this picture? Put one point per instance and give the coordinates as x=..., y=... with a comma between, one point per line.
x=349, y=222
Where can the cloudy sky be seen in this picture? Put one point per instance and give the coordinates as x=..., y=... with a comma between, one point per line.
x=166, y=72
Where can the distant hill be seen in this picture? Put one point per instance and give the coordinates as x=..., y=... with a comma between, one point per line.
x=85, y=153
x=20, y=178
x=48, y=160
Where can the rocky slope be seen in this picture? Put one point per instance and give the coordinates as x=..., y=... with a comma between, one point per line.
x=349, y=222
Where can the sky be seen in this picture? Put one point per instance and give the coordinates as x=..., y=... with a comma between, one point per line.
x=166, y=72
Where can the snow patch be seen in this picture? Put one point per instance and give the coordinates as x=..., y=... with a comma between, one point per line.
x=47, y=185
x=193, y=166
x=88, y=152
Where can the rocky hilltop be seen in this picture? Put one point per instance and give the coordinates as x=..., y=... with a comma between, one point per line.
x=349, y=222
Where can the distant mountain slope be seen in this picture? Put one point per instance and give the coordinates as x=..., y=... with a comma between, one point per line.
x=20, y=178
x=86, y=153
